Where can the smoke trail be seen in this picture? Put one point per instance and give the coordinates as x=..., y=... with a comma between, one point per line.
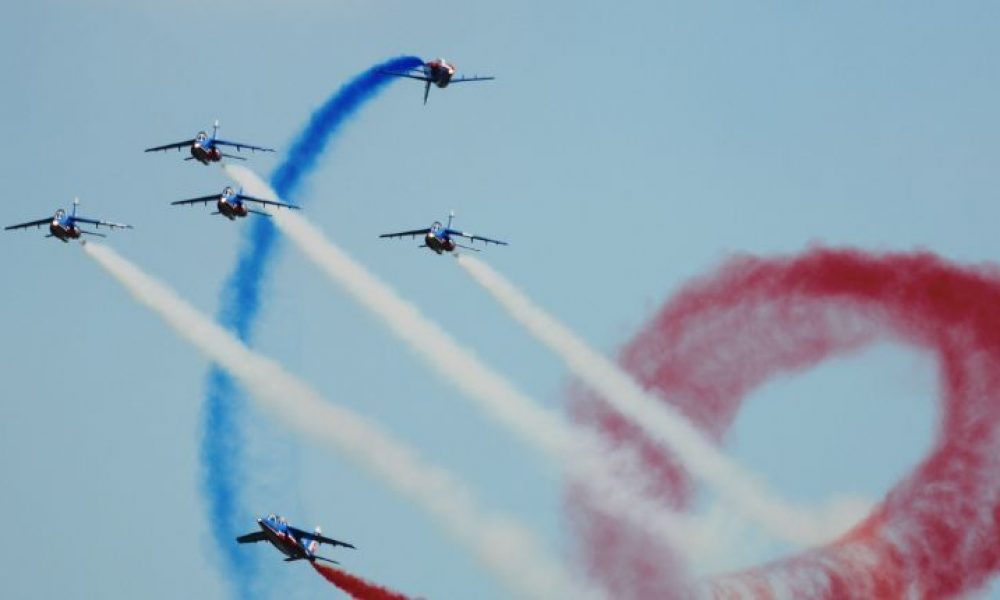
x=509, y=550
x=611, y=477
x=355, y=587
x=223, y=470
x=937, y=532
x=661, y=423
x=327, y=120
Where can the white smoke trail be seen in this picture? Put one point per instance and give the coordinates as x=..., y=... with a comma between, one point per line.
x=508, y=549
x=667, y=426
x=612, y=478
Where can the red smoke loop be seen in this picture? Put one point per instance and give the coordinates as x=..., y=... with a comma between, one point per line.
x=355, y=587
x=937, y=532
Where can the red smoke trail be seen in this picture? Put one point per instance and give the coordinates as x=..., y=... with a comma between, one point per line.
x=937, y=532
x=355, y=587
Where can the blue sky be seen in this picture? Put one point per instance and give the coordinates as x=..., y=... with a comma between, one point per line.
x=621, y=150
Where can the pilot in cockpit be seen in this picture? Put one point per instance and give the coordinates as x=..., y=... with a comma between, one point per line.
x=201, y=137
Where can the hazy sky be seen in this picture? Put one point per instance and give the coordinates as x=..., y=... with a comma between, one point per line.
x=622, y=150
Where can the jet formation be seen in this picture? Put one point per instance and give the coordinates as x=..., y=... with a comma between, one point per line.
x=296, y=544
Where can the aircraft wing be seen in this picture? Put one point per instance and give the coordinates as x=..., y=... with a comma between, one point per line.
x=267, y=202
x=250, y=538
x=477, y=238
x=241, y=145
x=198, y=200
x=319, y=538
x=37, y=223
x=98, y=223
x=411, y=75
x=474, y=78
x=411, y=233
x=178, y=145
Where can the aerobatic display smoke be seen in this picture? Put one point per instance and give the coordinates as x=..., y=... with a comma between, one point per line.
x=240, y=303
x=612, y=478
x=354, y=586
x=661, y=423
x=510, y=551
x=936, y=534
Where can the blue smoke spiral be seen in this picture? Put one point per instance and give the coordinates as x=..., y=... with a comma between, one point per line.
x=224, y=471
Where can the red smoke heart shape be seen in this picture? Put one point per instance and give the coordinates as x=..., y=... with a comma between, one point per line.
x=936, y=533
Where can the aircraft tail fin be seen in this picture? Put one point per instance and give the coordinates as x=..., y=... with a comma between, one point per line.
x=451, y=215
x=76, y=202
x=427, y=90
x=323, y=558
x=215, y=129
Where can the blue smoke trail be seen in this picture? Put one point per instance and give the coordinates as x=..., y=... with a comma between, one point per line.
x=224, y=471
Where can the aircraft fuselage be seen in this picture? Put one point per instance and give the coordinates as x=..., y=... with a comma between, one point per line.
x=231, y=210
x=64, y=232
x=439, y=245
x=284, y=542
x=205, y=155
x=440, y=73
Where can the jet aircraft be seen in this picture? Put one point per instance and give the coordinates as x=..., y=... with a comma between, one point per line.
x=295, y=543
x=66, y=226
x=438, y=238
x=439, y=72
x=207, y=149
x=232, y=204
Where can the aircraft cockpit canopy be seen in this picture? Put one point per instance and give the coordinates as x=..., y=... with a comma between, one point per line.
x=60, y=214
x=436, y=227
x=201, y=137
x=228, y=191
